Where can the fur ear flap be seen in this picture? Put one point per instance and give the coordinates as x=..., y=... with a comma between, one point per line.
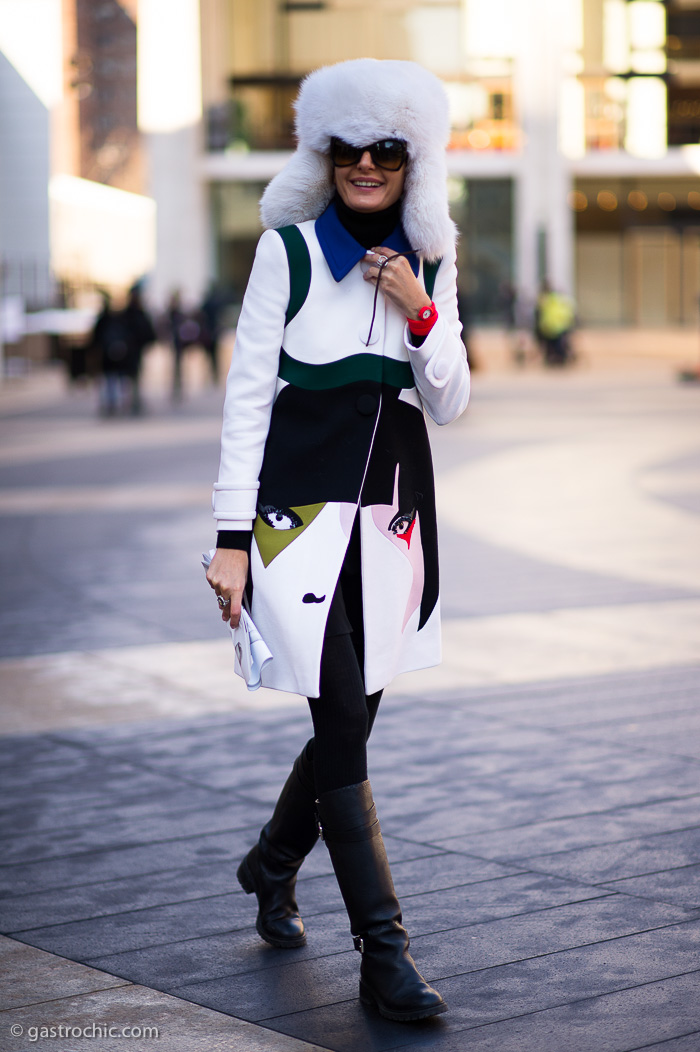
x=301, y=191
x=425, y=214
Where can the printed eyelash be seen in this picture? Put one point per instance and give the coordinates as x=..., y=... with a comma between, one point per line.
x=273, y=516
x=403, y=517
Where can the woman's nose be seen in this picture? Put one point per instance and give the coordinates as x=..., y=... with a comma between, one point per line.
x=366, y=160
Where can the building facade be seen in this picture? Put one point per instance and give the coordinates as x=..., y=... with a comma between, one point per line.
x=74, y=207
x=575, y=149
x=155, y=124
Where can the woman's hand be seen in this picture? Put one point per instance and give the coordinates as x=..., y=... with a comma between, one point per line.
x=398, y=282
x=227, y=575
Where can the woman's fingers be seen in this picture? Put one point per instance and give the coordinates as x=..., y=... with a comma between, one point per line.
x=396, y=280
x=227, y=575
x=232, y=613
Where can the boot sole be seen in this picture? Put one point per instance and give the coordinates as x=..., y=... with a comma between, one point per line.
x=368, y=999
x=245, y=879
x=274, y=940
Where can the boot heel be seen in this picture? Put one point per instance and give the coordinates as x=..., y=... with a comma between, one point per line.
x=244, y=878
x=366, y=995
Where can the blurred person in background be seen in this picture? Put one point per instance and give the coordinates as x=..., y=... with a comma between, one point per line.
x=183, y=331
x=555, y=318
x=210, y=313
x=120, y=337
x=325, y=503
x=140, y=334
x=110, y=343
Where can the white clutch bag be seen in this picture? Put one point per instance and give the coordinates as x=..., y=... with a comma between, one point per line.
x=251, y=651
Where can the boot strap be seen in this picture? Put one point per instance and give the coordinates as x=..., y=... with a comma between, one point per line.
x=359, y=834
x=359, y=943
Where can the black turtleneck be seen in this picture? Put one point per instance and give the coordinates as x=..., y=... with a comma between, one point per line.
x=369, y=229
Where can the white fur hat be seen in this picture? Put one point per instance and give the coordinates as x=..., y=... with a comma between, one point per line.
x=362, y=101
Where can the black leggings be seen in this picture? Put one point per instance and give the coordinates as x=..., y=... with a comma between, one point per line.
x=343, y=715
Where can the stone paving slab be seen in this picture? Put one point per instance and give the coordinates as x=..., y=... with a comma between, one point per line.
x=597, y=800
x=57, y=977
x=567, y=699
x=121, y=834
x=679, y=886
x=90, y=867
x=636, y=856
x=518, y=992
x=144, y=861
x=233, y=817
x=49, y=992
x=679, y=1044
x=544, y=982
x=156, y=925
x=325, y=981
x=616, y=1022
x=136, y=904
x=64, y=905
x=569, y=834
x=45, y=815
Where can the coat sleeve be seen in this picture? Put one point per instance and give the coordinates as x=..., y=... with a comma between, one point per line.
x=251, y=385
x=440, y=364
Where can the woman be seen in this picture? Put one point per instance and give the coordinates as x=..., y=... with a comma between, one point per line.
x=325, y=501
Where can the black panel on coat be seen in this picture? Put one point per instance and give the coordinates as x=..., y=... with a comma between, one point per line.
x=317, y=446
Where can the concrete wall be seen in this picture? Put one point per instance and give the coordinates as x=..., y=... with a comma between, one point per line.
x=24, y=178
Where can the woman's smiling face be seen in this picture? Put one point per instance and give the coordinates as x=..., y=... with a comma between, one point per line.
x=365, y=187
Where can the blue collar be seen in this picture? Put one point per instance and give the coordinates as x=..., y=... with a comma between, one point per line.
x=342, y=252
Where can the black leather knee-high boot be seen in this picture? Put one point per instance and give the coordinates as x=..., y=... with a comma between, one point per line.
x=389, y=978
x=270, y=867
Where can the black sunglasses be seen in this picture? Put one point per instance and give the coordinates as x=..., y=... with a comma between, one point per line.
x=389, y=154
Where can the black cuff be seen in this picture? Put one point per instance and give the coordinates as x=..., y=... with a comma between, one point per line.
x=238, y=540
x=417, y=341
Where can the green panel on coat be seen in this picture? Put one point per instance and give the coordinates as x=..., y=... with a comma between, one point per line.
x=299, y=269
x=345, y=371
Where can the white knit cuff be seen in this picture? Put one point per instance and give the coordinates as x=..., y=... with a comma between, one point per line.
x=235, y=504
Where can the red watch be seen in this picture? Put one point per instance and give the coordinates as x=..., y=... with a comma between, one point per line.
x=427, y=316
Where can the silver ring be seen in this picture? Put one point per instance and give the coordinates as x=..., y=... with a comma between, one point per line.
x=381, y=261
x=223, y=603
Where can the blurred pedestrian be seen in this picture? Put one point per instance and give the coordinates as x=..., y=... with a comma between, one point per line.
x=326, y=474
x=185, y=331
x=554, y=321
x=210, y=313
x=110, y=339
x=140, y=334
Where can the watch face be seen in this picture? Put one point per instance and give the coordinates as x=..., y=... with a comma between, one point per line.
x=425, y=314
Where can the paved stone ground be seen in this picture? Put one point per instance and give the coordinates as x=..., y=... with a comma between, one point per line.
x=539, y=793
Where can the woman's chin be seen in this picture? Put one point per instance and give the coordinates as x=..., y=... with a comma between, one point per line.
x=366, y=202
